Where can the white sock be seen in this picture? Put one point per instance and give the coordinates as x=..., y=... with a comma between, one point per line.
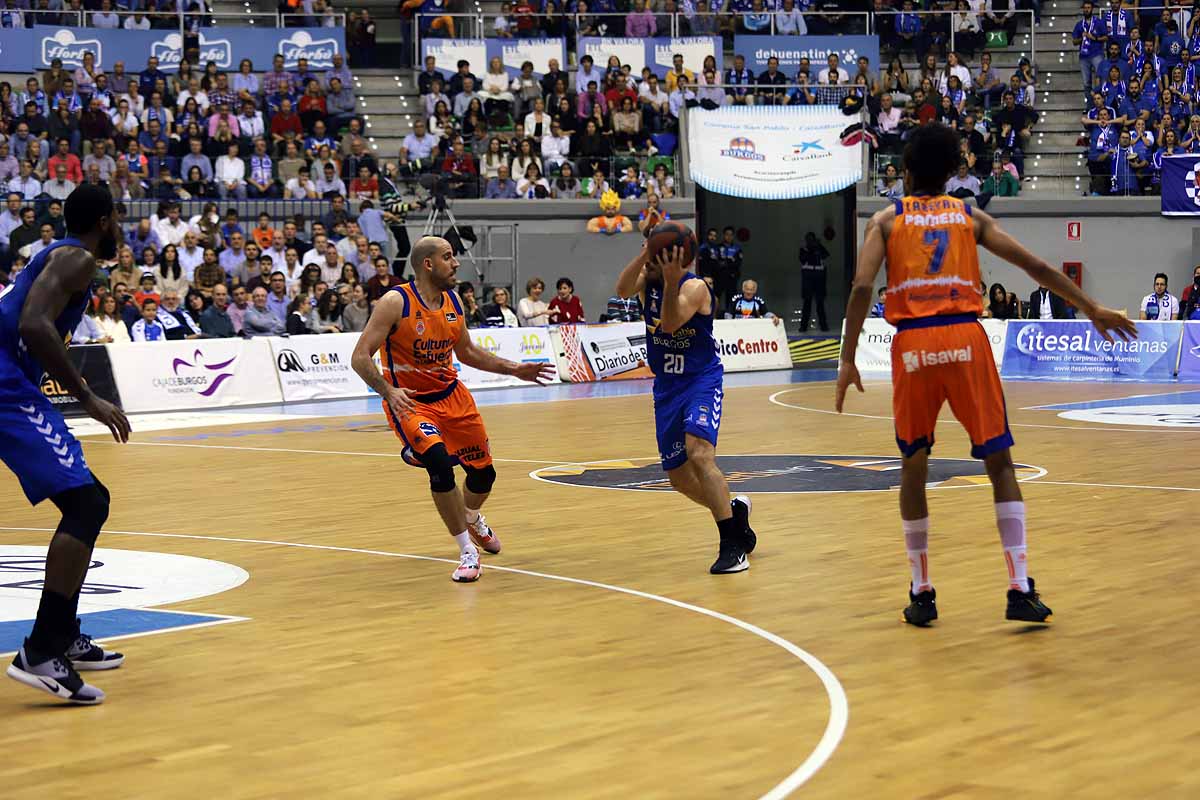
x=916, y=544
x=464, y=541
x=472, y=515
x=1010, y=519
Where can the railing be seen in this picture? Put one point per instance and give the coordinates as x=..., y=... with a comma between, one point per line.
x=1019, y=13
x=248, y=210
x=47, y=17
x=167, y=20
x=327, y=20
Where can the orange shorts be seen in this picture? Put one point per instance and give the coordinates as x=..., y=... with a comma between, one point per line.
x=933, y=363
x=454, y=421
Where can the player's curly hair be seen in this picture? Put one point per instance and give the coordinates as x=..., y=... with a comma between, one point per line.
x=931, y=157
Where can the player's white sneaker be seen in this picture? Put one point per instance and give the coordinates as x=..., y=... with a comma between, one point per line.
x=483, y=536
x=87, y=655
x=54, y=676
x=468, y=570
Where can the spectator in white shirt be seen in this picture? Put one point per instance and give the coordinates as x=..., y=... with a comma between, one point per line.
x=124, y=120
x=137, y=22
x=1160, y=304
x=25, y=184
x=230, y=174
x=250, y=122
x=170, y=229
x=137, y=103
x=316, y=255
x=328, y=183
x=833, y=68
x=38, y=245
x=105, y=18
x=436, y=95
x=789, y=20
x=191, y=255
x=193, y=90
x=556, y=146
x=301, y=187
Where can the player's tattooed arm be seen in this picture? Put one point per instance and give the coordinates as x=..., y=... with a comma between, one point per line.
x=379, y=325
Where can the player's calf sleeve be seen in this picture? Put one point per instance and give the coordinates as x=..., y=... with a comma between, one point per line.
x=1010, y=519
x=479, y=481
x=84, y=510
x=916, y=546
x=440, y=467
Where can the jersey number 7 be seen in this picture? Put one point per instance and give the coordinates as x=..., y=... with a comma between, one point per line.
x=940, y=239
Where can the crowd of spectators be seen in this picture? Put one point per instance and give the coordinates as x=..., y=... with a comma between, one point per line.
x=1140, y=90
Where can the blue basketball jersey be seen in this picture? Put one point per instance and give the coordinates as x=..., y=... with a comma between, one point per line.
x=12, y=300
x=690, y=352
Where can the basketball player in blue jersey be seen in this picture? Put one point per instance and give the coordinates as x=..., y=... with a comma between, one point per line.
x=682, y=354
x=38, y=312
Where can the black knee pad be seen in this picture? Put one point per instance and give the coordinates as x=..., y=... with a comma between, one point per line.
x=479, y=481
x=440, y=467
x=84, y=510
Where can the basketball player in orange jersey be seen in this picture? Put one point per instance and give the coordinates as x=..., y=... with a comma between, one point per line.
x=417, y=328
x=941, y=353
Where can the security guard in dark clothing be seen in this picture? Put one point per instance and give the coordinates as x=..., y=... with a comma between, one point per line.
x=812, y=281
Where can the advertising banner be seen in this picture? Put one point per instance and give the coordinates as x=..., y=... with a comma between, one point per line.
x=656, y=53
x=198, y=373
x=317, y=367
x=604, y=352
x=35, y=48
x=790, y=49
x=523, y=345
x=772, y=152
x=1180, y=185
x=750, y=344
x=1072, y=350
x=92, y=362
x=874, y=353
x=478, y=52
x=1189, y=357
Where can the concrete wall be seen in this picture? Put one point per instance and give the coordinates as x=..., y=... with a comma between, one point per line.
x=1123, y=243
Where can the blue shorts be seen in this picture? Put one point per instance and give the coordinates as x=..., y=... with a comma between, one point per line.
x=34, y=440
x=682, y=407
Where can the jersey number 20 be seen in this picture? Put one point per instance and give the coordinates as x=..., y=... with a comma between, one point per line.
x=940, y=239
x=673, y=363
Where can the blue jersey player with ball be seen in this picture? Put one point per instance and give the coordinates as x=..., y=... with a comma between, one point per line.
x=688, y=394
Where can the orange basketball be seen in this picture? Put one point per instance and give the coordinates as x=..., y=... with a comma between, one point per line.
x=672, y=234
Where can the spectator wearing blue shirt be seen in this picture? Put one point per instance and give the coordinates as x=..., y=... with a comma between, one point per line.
x=1134, y=52
x=148, y=77
x=1135, y=105
x=740, y=82
x=1113, y=88
x=1091, y=117
x=1089, y=35
x=148, y=328
x=1126, y=165
x=1120, y=23
x=1170, y=147
x=1169, y=106
x=1113, y=58
x=910, y=30
x=1102, y=141
x=149, y=138
x=196, y=158
x=802, y=95
x=1170, y=48
x=501, y=187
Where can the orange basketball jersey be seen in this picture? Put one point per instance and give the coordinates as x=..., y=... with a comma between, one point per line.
x=418, y=354
x=932, y=260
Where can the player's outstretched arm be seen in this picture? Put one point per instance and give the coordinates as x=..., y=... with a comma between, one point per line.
x=870, y=259
x=68, y=272
x=632, y=279
x=477, y=357
x=385, y=314
x=997, y=241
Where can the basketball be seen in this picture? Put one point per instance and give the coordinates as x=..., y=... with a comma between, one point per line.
x=671, y=234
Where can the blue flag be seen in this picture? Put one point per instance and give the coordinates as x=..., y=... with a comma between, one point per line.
x=1181, y=185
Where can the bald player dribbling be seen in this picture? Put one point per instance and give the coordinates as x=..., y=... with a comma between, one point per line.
x=417, y=329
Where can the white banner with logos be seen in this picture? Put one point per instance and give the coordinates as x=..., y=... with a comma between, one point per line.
x=195, y=373
x=751, y=344
x=773, y=152
x=523, y=345
x=874, y=353
x=317, y=367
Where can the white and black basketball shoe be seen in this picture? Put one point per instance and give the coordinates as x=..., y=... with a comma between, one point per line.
x=54, y=676
x=86, y=655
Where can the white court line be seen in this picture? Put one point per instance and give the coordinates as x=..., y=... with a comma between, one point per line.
x=219, y=619
x=1122, y=486
x=839, y=707
x=1051, y=406
x=775, y=399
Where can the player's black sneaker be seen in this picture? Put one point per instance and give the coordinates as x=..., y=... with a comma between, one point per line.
x=922, y=608
x=54, y=676
x=87, y=655
x=741, y=511
x=732, y=558
x=1027, y=606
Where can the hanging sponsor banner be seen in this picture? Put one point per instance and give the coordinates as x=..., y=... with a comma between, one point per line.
x=317, y=367
x=523, y=345
x=603, y=352
x=515, y=52
x=224, y=46
x=750, y=344
x=91, y=360
x=196, y=373
x=874, y=353
x=656, y=53
x=790, y=49
x=1072, y=350
x=1189, y=357
x=1181, y=185
x=772, y=152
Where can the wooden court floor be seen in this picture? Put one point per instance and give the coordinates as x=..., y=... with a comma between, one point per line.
x=364, y=673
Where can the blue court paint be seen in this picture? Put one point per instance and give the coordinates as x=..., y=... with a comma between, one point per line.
x=113, y=624
x=1187, y=397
